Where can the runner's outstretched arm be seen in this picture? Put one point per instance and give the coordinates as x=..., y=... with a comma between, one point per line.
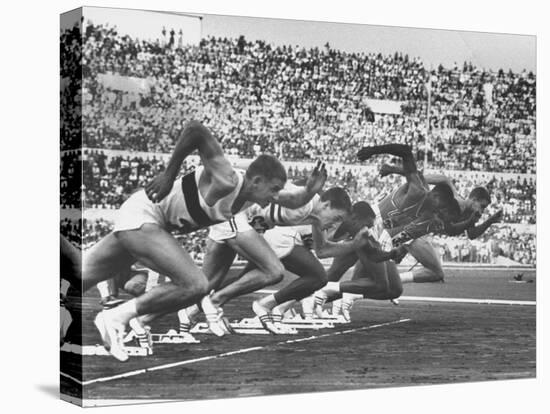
x=398, y=150
x=325, y=248
x=193, y=136
x=295, y=198
x=456, y=228
x=476, y=231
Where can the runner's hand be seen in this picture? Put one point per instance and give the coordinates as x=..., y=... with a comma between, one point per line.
x=362, y=238
x=159, y=187
x=400, y=253
x=495, y=218
x=385, y=170
x=476, y=215
x=317, y=178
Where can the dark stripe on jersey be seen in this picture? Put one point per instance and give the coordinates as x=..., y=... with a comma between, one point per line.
x=272, y=213
x=231, y=224
x=191, y=195
x=280, y=215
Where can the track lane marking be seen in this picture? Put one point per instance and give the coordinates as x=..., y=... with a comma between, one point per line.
x=448, y=300
x=225, y=354
x=467, y=300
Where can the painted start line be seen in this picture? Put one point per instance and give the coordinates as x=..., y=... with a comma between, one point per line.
x=226, y=354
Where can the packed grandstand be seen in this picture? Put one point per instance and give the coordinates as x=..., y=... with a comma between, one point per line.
x=299, y=104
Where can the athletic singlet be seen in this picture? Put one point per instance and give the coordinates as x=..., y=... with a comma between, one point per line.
x=404, y=223
x=394, y=215
x=184, y=207
x=276, y=215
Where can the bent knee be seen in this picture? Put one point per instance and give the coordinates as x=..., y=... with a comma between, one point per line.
x=319, y=281
x=199, y=288
x=194, y=285
x=275, y=273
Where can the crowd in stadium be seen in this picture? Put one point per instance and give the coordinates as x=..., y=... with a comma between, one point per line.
x=300, y=104
x=502, y=241
x=303, y=103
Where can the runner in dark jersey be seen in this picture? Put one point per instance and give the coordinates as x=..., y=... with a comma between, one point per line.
x=471, y=210
x=409, y=212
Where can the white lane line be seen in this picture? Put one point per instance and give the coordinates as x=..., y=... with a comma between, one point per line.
x=466, y=300
x=240, y=351
x=449, y=300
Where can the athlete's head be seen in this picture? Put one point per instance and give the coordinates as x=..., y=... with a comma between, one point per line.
x=443, y=202
x=361, y=215
x=333, y=207
x=265, y=177
x=480, y=199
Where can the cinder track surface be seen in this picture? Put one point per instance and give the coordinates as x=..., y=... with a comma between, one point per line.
x=417, y=342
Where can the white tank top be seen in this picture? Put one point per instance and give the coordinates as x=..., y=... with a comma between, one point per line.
x=185, y=208
x=276, y=215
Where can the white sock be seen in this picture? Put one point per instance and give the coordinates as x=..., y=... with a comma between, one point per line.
x=268, y=302
x=307, y=305
x=152, y=280
x=188, y=313
x=332, y=287
x=136, y=325
x=336, y=306
x=103, y=288
x=208, y=307
x=406, y=277
x=123, y=313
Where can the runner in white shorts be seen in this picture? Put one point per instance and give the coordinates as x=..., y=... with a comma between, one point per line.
x=331, y=207
x=212, y=193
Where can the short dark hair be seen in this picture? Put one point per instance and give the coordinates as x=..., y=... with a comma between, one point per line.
x=447, y=197
x=266, y=166
x=362, y=210
x=480, y=194
x=338, y=197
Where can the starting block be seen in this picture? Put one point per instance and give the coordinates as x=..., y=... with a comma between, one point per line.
x=293, y=323
x=300, y=323
x=173, y=337
x=334, y=319
x=239, y=328
x=252, y=326
x=101, y=351
x=296, y=322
